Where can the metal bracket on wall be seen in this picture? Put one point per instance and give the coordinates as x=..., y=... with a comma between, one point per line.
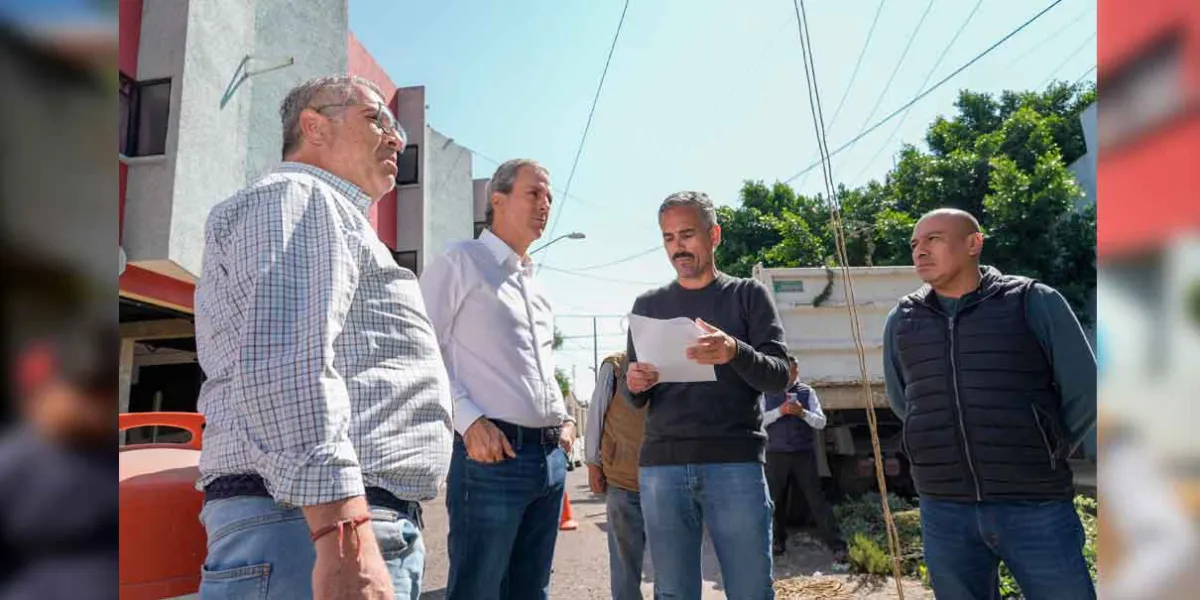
x=244, y=72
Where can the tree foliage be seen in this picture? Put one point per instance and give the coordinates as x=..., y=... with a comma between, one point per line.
x=1003, y=159
x=564, y=382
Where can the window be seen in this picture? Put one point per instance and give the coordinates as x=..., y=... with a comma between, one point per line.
x=1143, y=94
x=407, y=259
x=144, y=119
x=408, y=165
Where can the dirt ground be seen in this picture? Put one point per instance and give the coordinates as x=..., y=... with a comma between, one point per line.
x=581, y=561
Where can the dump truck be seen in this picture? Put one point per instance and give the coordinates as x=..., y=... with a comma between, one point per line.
x=812, y=304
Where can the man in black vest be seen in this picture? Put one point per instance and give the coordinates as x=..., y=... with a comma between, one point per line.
x=791, y=419
x=996, y=385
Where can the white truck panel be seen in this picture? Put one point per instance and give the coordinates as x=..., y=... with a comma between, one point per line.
x=820, y=336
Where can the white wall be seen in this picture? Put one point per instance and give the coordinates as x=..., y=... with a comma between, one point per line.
x=450, y=197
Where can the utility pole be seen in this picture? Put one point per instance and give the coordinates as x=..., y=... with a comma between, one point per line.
x=595, y=349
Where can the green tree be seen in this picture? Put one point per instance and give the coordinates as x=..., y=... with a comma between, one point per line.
x=564, y=382
x=1002, y=158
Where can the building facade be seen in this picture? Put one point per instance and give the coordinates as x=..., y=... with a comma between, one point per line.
x=1149, y=218
x=201, y=83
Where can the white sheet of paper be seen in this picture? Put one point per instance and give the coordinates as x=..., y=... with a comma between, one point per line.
x=664, y=342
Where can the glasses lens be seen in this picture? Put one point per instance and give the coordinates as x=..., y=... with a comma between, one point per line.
x=385, y=119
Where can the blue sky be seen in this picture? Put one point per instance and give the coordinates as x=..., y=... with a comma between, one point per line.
x=699, y=95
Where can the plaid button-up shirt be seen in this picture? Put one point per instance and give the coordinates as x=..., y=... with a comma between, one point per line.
x=324, y=375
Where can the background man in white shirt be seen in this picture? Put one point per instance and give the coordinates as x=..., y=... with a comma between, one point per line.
x=326, y=399
x=496, y=329
x=793, y=421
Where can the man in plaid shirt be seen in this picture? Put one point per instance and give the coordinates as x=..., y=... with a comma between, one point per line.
x=327, y=402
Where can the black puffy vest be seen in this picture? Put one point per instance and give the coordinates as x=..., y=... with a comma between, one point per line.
x=983, y=420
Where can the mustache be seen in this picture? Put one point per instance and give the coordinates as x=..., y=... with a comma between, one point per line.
x=679, y=255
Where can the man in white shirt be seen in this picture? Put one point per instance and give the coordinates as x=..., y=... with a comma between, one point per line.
x=793, y=421
x=496, y=331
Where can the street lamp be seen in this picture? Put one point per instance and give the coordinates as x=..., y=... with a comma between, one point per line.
x=575, y=235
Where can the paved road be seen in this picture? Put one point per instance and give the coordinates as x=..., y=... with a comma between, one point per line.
x=581, y=559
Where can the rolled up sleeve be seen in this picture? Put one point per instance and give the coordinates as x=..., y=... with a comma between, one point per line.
x=299, y=266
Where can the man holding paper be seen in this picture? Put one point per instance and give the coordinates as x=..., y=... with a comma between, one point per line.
x=702, y=456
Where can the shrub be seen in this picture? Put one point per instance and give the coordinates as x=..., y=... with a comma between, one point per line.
x=862, y=524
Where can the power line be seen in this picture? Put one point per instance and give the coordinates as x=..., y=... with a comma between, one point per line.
x=1052, y=36
x=598, y=278
x=814, y=98
x=928, y=76
x=591, y=114
x=1066, y=60
x=1090, y=70
x=922, y=95
x=654, y=248
x=854, y=74
x=557, y=191
x=896, y=70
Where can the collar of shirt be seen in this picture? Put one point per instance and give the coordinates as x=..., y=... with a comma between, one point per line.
x=354, y=193
x=504, y=253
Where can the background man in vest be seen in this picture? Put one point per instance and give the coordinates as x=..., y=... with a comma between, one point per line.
x=996, y=385
x=616, y=428
x=790, y=419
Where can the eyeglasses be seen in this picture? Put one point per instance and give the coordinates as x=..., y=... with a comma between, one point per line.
x=383, y=118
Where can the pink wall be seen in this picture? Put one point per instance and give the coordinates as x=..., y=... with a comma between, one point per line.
x=130, y=28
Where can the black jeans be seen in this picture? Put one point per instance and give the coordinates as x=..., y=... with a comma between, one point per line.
x=797, y=472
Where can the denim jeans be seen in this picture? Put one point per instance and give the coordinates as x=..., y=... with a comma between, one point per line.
x=259, y=550
x=504, y=522
x=731, y=500
x=1041, y=542
x=626, y=543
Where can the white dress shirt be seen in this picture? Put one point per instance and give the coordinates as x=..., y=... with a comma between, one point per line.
x=323, y=371
x=814, y=416
x=496, y=330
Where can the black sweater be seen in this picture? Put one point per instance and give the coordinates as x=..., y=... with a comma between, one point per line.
x=719, y=421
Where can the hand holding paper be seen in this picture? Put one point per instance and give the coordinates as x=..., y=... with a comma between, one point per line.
x=665, y=343
x=715, y=347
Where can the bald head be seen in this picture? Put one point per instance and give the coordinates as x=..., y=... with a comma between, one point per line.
x=946, y=244
x=965, y=221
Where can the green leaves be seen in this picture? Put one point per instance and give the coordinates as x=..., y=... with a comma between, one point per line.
x=1002, y=159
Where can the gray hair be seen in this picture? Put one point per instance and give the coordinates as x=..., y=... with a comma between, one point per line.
x=326, y=90
x=505, y=177
x=697, y=200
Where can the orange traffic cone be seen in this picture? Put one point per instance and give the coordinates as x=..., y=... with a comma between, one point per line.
x=567, y=522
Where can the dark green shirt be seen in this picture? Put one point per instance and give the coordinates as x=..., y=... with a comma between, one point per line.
x=1058, y=331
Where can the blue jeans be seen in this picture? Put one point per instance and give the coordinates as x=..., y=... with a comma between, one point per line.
x=504, y=522
x=678, y=501
x=626, y=543
x=1041, y=542
x=260, y=550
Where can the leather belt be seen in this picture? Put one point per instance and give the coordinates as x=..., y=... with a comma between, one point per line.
x=233, y=486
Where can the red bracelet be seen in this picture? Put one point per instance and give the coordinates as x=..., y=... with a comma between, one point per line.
x=340, y=528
